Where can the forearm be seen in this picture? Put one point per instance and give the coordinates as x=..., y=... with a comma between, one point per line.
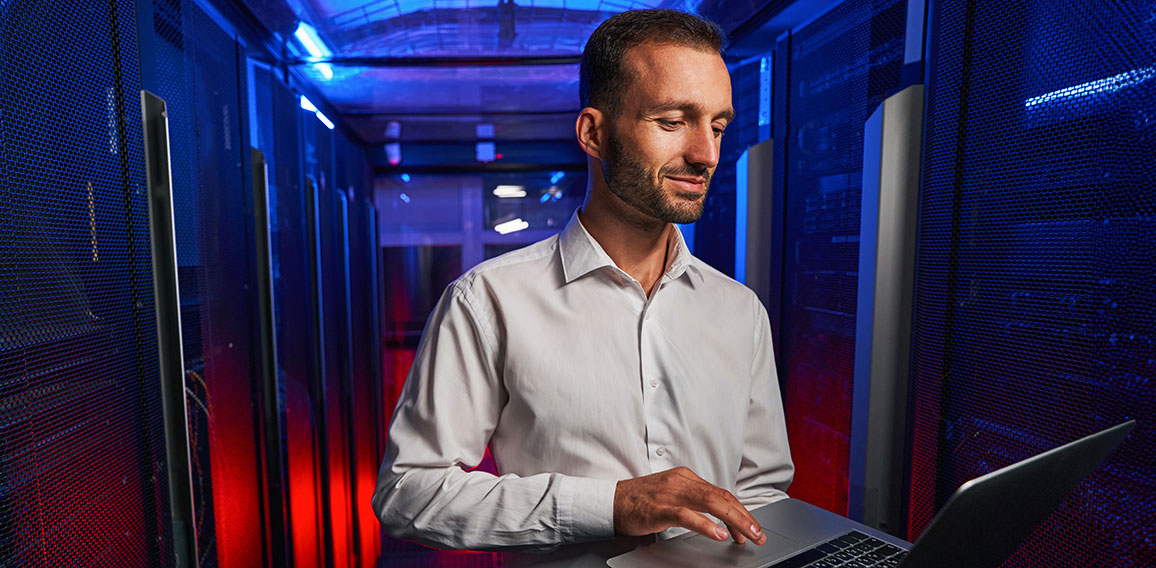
x=452, y=508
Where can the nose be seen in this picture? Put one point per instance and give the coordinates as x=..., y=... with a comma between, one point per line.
x=702, y=147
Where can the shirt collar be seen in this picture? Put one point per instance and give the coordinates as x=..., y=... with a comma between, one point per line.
x=581, y=254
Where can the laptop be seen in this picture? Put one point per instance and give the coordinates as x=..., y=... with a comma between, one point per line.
x=980, y=526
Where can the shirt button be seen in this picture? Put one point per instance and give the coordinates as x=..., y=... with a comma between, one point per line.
x=654, y=383
x=646, y=316
x=660, y=452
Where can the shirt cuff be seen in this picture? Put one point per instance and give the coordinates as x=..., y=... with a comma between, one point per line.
x=586, y=508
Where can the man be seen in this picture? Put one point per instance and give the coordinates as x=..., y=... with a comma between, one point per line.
x=624, y=387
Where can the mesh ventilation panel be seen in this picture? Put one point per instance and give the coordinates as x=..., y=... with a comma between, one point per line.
x=82, y=473
x=197, y=74
x=842, y=65
x=1036, y=294
x=292, y=284
x=335, y=331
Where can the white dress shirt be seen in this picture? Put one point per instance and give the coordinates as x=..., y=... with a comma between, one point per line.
x=559, y=361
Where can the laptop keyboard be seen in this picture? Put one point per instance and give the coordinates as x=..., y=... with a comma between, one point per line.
x=852, y=550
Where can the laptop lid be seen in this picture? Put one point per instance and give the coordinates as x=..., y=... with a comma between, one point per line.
x=988, y=517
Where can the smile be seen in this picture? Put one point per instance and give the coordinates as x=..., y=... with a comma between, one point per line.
x=689, y=184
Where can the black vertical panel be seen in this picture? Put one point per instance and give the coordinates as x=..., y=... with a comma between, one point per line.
x=1035, y=289
x=364, y=416
x=334, y=309
x=841, y=66
x=278, y=117
x=82, y=478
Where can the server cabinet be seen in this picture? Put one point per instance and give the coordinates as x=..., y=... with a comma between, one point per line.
x=276, y=118
x=1035, y=296
x=82, y=476
x=197, y=74
x=835, y=70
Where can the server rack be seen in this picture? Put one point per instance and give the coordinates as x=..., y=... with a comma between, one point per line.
x=81, y=441
x=834, y=70
x=1034, y=291
x=277, y=115
x=197, y=73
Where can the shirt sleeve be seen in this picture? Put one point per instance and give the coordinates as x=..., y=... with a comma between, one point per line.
x=448, y=408
x=766, y=469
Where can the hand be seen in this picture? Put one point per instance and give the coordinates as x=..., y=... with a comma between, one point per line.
x=678, y=497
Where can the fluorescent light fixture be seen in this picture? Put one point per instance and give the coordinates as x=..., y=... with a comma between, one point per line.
x=324, y=120
x=311, y=41
x=308, y=105
x=557, y=177
x=511, y=226
x=1101, y=86
x=509, y=191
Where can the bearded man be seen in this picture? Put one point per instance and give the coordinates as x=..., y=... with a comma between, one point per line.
x=624, y=387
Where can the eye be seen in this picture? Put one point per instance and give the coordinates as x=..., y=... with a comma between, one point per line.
x=669, y=123
x=718, y=132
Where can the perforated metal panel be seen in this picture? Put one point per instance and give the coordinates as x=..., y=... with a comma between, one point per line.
x=365, y=297
x=841, y=66
x=82, y=474
x=277, y=116
x=336, y=354
x=1035, y=288
x=197, y=75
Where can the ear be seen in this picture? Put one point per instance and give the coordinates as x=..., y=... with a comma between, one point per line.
x=591, y=131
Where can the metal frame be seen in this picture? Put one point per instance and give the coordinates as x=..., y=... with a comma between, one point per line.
x=887, y=236
x=270, y=400
x=759, y=224
x=168, y=313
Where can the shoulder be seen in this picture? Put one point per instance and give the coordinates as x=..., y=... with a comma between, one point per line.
x=527, y=266
x=718, y=283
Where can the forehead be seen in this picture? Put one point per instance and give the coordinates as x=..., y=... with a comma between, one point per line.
x=679, y=74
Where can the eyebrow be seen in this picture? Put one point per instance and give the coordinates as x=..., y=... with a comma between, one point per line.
x=728, y=114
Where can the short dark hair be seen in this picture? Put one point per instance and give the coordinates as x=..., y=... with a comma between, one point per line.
x=603, y=74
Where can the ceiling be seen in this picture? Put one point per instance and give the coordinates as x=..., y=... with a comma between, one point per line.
x=440, y=67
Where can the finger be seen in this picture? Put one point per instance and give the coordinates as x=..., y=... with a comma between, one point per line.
x=698, y=523
x=723, y=505
x=737, y=534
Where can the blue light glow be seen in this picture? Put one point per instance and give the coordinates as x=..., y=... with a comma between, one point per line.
x=405, y=178
x=557, y=177
x=545, y=197
x=1098, y=87
x=324, y=120
x=307, y=104
x=311, y=41
x=325, y=69
x=404, y=197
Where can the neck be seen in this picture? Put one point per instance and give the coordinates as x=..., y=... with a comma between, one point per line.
x=635, y=242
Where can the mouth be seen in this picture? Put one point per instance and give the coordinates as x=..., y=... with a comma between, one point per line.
x=689, y=184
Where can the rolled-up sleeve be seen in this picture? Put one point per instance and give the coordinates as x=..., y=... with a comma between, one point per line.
x=766, y=469
x=447, y=411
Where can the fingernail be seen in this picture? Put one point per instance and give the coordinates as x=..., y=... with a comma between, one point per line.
x=755, y=530
x=720, y=533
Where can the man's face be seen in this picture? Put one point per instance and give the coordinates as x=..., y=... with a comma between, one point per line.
x=663, y=144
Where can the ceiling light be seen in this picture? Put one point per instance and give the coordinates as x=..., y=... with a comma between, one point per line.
x=509, y=191
x=311, y=41
x=511, y=226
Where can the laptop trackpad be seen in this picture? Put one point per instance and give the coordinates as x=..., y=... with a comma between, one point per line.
x=727, y=553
